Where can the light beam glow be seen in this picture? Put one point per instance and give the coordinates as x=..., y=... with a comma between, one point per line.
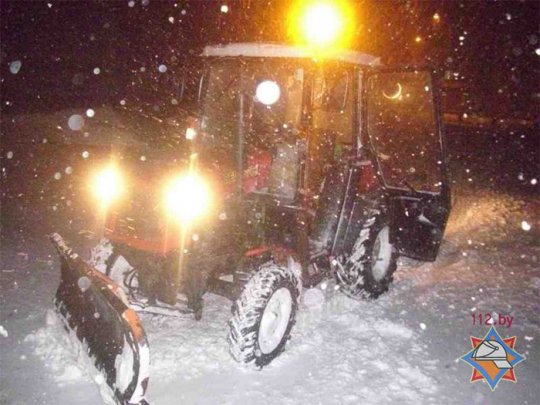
x=268, y=92
x=187, y=197
x=107, y=185
x=396, y=95
x=321, y=25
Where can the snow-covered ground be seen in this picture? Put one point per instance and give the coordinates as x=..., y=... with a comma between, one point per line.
x=401, y=348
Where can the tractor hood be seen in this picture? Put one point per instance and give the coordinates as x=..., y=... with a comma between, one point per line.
x=148, y=165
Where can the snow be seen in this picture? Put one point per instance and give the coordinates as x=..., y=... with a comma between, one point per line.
x=15, y=66
x=65, y=356
x=275, y=50
x=341, y=351
x=76, y=122
x=124, y=364
x=84, y=283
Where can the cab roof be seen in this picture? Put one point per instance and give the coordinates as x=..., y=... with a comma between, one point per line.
x=257, y=49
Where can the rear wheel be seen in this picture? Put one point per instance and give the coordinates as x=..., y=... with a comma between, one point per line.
x=368, y=271
x=264, y=315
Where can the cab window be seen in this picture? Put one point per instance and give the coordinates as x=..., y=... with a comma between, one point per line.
x=332, y=103
x=402, y=128
x=332, y=119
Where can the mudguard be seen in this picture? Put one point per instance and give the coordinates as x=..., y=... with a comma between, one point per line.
x=96, y=310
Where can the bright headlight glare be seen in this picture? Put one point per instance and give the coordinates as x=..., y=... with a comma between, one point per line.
x=107, y=185
x=187, y=197
x=268, y=92
x=322, y=25
x=191, y=133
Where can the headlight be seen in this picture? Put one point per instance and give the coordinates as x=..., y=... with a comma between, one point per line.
x=107, y=185
x=191, y=133
x=187, y=197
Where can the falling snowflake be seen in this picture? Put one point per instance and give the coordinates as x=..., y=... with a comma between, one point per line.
x=76, y=122
x=525, y=226
x=97, y=71
x=90, y=113
x=15, y=66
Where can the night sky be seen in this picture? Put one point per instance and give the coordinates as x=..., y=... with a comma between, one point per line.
x=492, y=47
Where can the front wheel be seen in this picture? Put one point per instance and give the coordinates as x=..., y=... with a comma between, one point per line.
x=368, y=270
x=264, y=315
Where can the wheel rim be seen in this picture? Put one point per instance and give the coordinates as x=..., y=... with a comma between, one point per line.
x=275, y=320
x=382, y=254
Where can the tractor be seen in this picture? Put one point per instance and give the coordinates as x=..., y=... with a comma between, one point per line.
x=293, y=170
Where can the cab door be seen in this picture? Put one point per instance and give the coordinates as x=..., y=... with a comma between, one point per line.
x=406, y=140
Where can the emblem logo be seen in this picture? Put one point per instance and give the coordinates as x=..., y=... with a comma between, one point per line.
x=493, y=358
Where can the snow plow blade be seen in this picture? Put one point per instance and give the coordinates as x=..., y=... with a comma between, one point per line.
x=94, y=308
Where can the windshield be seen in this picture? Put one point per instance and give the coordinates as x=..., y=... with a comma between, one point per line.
x=272, y=102
x=271, y=93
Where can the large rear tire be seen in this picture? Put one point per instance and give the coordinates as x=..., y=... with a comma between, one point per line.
x=368, y=271
x=264, y=315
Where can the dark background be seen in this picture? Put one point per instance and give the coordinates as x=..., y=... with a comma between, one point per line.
x=488, y=46
x=44, y=176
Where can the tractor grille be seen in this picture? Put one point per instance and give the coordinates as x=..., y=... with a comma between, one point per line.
x=140, y=218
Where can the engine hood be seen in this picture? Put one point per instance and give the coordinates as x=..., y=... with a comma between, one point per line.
x=146, y=166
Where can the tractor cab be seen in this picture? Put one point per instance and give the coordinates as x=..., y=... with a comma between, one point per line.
x=323, y=138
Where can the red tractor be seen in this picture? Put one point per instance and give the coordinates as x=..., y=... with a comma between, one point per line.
x=296, y=170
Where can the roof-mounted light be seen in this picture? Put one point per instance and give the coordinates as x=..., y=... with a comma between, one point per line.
x=322, y=25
